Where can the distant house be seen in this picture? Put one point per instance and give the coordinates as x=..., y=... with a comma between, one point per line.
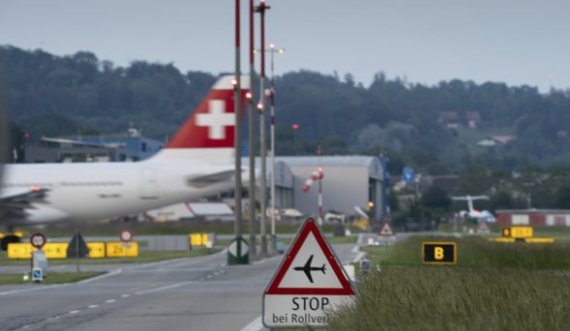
x=502, y=140
x=495, y=140
x=449, y=118
x=473, y=119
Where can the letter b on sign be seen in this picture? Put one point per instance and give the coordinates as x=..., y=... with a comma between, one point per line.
x=439, y=253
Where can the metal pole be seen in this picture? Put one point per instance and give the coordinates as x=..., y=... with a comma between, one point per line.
x=251, y=129
x=272, y=133
x=320, y=198
x=320, y=211
x=263, y=153
x=239, y=257
x=77, y=251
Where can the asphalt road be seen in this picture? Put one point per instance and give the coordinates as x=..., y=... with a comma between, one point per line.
x=200, y=293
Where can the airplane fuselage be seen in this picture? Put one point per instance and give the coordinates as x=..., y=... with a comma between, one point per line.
x=93, y=191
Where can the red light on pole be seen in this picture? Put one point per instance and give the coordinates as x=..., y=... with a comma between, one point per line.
x=295, y=126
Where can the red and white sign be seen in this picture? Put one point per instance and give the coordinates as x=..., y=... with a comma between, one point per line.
x=38, y=240
x=386, y=230
x=126, y=236
x=308, y=284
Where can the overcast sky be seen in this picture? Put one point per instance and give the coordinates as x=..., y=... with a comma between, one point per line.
x=515, y=41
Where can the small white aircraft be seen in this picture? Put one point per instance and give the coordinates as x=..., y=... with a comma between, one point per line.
x=197, y=162
x=472, y=213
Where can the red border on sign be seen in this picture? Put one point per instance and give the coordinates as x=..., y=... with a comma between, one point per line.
x=126, y=240
x=38, y=234
x=310, y=227
x=386, y=224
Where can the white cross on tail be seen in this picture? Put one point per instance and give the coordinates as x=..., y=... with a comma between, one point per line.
x=216, y=119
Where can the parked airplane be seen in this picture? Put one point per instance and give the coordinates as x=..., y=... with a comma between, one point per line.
x=308, y=269
x=472, y=213
x=197, y=162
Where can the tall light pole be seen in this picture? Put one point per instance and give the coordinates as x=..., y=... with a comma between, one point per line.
x=273, y=50
x=251, y=129
x=237, y=252
x=263, y=153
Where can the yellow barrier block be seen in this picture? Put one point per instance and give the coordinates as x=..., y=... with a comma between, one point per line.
x=518, y=232
x=96, y=250
x=118, y=249
x=198, y=239
x=24, y=250
x=20, y=251
x=544, y=240
x=55, y=250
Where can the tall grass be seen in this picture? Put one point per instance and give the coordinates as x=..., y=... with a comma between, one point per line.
x=432, y=298
x=475, y=251
x=493, y=287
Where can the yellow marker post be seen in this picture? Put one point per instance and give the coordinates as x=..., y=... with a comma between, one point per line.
x=518, y=232
x=198, y=239
x=96, y=250
x=118, y=249
x=439, y=253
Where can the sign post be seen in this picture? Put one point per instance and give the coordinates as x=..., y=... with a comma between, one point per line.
x=308, y=284
x=238, y=251
x=38, y=261
x=126, y=237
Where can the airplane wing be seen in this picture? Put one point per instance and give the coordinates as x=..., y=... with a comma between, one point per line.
x=15, y=203
x=307, y=268
x=308, y=273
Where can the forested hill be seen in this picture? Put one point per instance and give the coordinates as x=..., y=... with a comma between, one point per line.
x=435, y=127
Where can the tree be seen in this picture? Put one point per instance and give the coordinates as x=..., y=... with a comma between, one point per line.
x=436, y=198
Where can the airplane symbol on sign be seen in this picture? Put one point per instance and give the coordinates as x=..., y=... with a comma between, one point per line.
x=307, y=268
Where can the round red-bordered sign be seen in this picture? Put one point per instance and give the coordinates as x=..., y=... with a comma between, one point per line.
x=126, y=236
x=38, y=240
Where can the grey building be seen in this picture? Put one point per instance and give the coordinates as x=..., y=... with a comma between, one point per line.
x=348, y=181
x=131, y=146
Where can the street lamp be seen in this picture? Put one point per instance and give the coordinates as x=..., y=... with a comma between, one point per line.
x=271, y=94
x=239, y=257
x=263, y=153
x=251, y=134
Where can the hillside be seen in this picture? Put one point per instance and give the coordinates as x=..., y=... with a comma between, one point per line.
x=436, y=128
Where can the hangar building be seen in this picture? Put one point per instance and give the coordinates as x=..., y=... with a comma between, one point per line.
x=348, y=181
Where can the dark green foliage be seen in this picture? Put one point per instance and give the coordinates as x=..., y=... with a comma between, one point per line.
x=436, y=198
x=391, y=117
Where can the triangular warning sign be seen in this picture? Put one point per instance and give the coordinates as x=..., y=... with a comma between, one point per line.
x=310, y=267
x=386, y=230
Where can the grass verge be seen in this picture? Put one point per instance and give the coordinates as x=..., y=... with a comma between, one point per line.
x=52, y=278
x=493, y=287
x=144, y=257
